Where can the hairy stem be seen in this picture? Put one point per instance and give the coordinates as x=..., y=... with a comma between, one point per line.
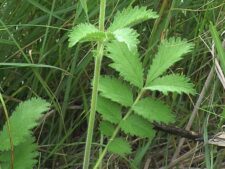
x=98, y=60
x=117, y=130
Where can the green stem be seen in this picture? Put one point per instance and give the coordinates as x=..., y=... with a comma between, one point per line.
x=100, y=150
x=117, y=130
x=9, y=132
x=98, y=60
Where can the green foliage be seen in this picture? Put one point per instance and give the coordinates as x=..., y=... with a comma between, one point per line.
x=22, y=120
x=135, y=125
x=86, y=32
x=31, y=23
x=128, y=36
x=112, y=88
x=84, y=5
x=219, y=46
x=116, y=90
x=24, y=155
x=130, y=17
x=109, y=110
x=169, y=52
x=106, y=128
x=117, y=102
x=154, y=110
x=119, y=146
x=172, y=83
x=126, y=62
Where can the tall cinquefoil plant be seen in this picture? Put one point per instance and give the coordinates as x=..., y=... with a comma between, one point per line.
x=126, y=91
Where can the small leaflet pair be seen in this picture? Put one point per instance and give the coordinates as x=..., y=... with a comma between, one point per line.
x=219, y=138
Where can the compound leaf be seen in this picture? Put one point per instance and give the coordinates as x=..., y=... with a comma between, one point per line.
x=138, y=126
x=169, y=52
x=116, y=90
x=119, y=146
x=154, y=110
x=109, y=110
x=172, y=83
x=130, y=17
x=126, y=62
x=21, y=121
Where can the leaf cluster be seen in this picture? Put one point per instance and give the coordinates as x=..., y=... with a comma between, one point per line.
x=121, y=102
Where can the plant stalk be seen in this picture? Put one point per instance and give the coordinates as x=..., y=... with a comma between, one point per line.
x=9, y=132
x=117, y=129
x=98, y=60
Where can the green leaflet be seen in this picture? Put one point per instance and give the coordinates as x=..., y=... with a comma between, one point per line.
x=130, y=17
x=128, y=36
x=169, y=52
x=172, y=83
x=126, y=62
x=87, y=32
x=109, y=110
x=21, y=121
x=154, y=110
x=138, y=126
x=24, y=155
x=106, y=128
x=116, y=90
x=119, y=146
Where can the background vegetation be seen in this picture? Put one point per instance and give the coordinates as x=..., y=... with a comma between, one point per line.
x=36, y=32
